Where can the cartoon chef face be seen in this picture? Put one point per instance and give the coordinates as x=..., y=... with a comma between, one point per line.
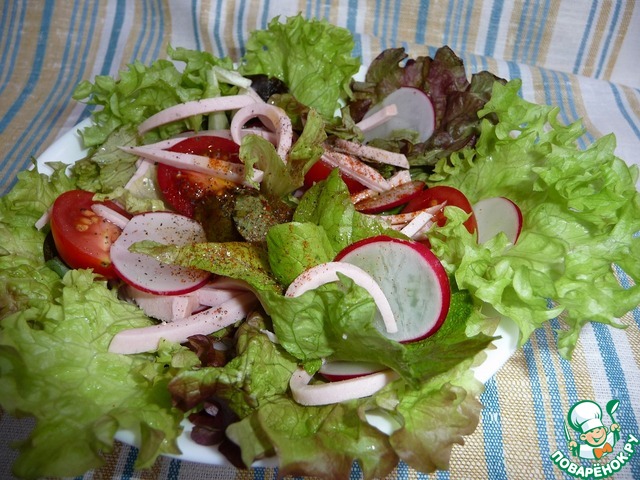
x=595, y=437
x=586, y=417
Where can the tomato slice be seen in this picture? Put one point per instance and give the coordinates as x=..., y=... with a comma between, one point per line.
x=433, y=196
x=321, y=170
x=182, y=188
x=82, y=238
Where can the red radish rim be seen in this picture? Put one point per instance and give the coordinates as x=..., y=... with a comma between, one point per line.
x=431, y=261
x=124, y=270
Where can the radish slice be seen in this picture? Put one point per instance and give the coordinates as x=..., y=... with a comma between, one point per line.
x=415, y=112
x=145, y=272
x=328, y=272
x=145, y=339
x=495, y=215
x=391, y=198
x=372, y=153
x=276, y=118
x=360, y=171
x=234, y=172
x=413, y=280
x=338, y=370
x=335, y=392
x=195, y=107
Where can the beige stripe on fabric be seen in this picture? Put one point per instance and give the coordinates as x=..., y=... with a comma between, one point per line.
x=621, y=32
x=549, y=26
x=596, y=42
x=520, y=433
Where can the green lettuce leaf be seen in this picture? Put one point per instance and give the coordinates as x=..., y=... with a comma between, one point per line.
x=239, y=260
x=55, y=366
x=313, y=57
x=581, y=212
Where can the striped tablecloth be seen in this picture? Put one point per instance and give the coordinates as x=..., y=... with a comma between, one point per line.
x=581, y=55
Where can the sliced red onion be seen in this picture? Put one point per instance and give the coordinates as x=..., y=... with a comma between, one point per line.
x=110, y=215
x=363, y=173
x=372, y=153
x=145, y=339
x=328, y=272
x=336, y=392
x=272, y=117
x=44, y=219
x=378, y=118
x=233, y=172
x=195, y=107
x=167, y=308
x=403, y=176
x=404, y=218
x=418, y=224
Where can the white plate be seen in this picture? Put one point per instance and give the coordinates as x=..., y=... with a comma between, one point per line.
x=68, y=149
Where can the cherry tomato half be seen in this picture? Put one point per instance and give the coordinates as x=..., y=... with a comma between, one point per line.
x=182, y=188
x=82, y=238
x=433, y=196
x=321, y=170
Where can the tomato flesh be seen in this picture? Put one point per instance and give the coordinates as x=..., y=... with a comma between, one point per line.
x=182, y=188
x=82, y=238
x=433, y=196
x=321, y=170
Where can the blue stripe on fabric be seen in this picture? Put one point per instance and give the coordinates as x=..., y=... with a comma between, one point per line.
x=492, y=430
x=553, y=389
x=538, y=410
x=604, y=54
x=240, y=26
x=264, y=21
x=376, y=19
x=174, y=469
x=585, y=37
x=494, y=25
x=440, y=474
x=152, y=50
x=396, y=20
x=14, y=26
x=352, y=15
x=135, y=55
x=38, y=61
x=129, y=464
x=356, y=472
x=541, y=24
x=258, y=473
x=421, y=22
x=587, y=138
x=520, y=37
x=565, y=366
x=448, y=24
x=631, y=119
x=467, y=26
x=47, y=115
x=195, y=24
x=221, y=51
x=116, y=30
x=625, y=281
x=614, y=373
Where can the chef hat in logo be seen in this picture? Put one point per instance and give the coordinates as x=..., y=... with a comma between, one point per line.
x=585, y=415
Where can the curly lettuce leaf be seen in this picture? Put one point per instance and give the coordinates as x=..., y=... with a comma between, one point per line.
x=141, y=91
x=313, y=57
x=55, y=366
x=54, y=360
x=581, y=212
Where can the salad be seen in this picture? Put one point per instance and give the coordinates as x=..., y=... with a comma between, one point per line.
x=276, y=297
